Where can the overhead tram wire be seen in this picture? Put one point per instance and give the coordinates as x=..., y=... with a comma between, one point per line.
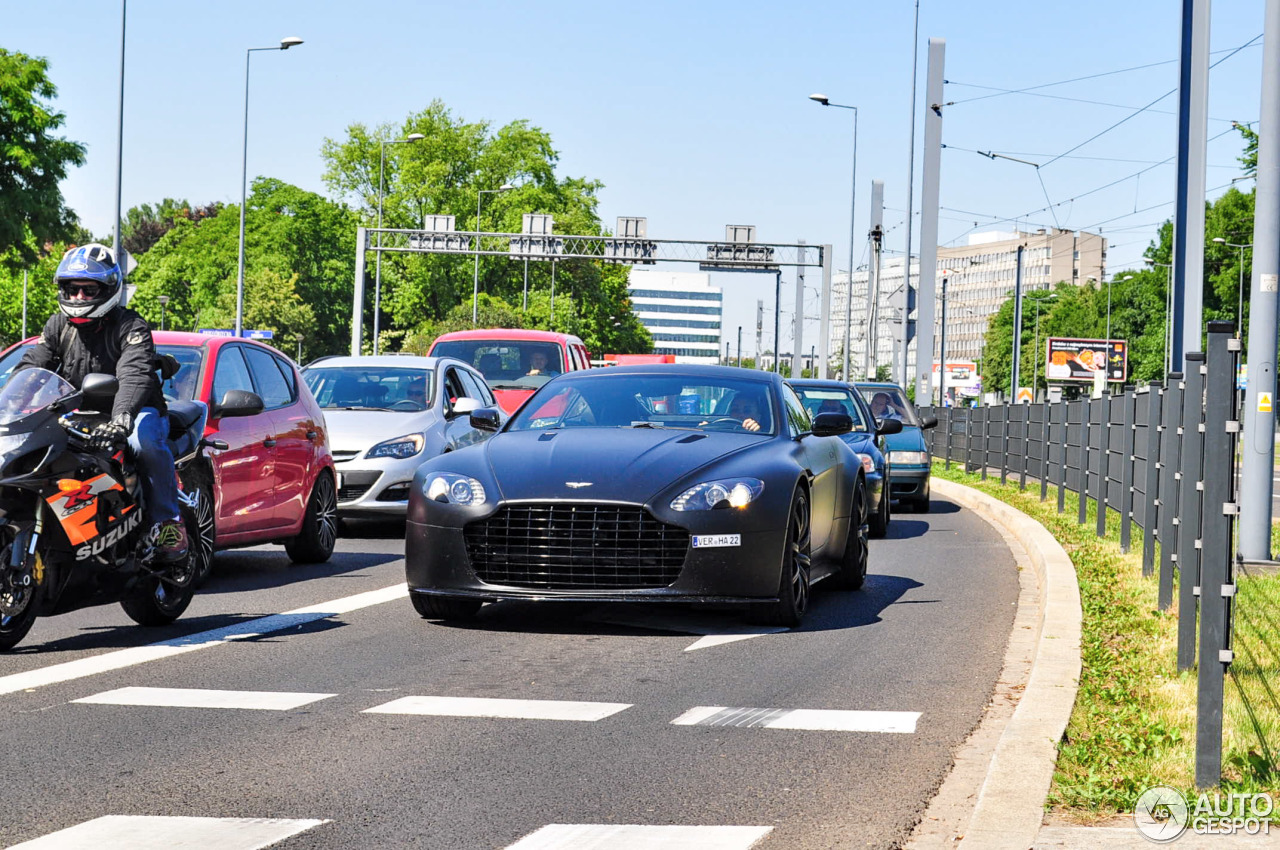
x=1069, y=99
x=1001, y=92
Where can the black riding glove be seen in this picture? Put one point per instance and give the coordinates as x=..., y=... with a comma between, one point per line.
x=108, y=435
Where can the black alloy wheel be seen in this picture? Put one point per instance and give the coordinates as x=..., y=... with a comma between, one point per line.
x=18, y=605
x=315, y=542
x=794, y=583
x=201, y=526
x=853, y=564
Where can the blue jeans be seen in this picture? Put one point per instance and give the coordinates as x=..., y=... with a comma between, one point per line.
x=155, y=464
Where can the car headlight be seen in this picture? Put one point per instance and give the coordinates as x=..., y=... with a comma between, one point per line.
x=399, y=448
x=868, y=464
x=453, y=489
x=725, y=493
x=909, y=457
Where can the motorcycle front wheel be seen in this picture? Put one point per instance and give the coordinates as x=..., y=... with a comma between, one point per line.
x=18, y=605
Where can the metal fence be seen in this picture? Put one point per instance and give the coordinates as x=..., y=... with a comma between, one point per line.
x=1158, y=461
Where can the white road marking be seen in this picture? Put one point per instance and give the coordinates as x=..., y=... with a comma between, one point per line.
x=521, y=709
x=199, y=698
x=715, y=629
x=122, y=658
x=802, y=718
x=135, y=832
x=581, y=836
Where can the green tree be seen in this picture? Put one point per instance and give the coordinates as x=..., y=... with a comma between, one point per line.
x=442, y=175
x=32, y=161
x=144, y=225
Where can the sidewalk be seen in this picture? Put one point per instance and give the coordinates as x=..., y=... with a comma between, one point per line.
x=995, y=794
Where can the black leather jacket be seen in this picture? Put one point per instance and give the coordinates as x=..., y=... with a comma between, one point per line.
x=118, y=344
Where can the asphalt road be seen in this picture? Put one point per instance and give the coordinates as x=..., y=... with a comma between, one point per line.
x=263, y=732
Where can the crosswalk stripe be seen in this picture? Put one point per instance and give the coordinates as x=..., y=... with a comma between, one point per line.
x=801, y=718
x=562, y=836
x=200, y=698
x=518, y=709
x=136, y=832
x=122, y=658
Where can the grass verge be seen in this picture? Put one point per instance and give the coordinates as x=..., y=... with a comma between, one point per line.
x=1134, y=721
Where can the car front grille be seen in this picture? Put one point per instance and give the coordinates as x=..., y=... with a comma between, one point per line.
x=576, y=547
x=344, y=455
x=356, y=484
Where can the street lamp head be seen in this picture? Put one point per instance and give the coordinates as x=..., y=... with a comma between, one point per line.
x=414, y=137
x=505, y=187
x=820, y=98
x=163, y=299
x=1219, y=240
x=291, y=41
x=1127, y=277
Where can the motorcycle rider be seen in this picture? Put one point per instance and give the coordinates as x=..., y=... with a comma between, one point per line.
x=94, y=332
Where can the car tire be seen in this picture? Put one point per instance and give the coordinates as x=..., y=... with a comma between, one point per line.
x=879, y=521
x=853, y=564
x=314, y=543
x=921, y=506
x=794, y=586
x=197, y=482
x=443, y=608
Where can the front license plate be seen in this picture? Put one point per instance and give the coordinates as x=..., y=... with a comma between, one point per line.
x=711, y=541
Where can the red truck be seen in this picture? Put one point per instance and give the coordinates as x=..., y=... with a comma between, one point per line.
x=514, y=362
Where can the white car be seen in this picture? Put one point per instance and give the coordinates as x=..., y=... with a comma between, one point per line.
x=388, y=414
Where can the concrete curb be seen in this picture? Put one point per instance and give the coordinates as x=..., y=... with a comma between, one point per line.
x=1010, y=804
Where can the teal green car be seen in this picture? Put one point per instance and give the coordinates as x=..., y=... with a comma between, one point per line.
x=908, y=454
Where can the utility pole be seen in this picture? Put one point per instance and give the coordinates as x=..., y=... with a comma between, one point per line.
x=1188, y=219
x=24, y=303
x=777, y=321
x=908, y=294
x=873, y=278
x=942, y=348
x=739, y=346
x=796, y=352
x=1257, y=448
x=1017, y=326
x=760, y=333
x=929, y=218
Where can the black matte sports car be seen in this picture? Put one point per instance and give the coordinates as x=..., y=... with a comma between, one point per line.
x=643, y=483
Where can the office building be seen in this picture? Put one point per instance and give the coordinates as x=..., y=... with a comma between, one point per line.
x=682, y=312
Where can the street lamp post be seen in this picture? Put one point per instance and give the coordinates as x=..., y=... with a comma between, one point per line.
x=1035, y=362
x=475, y=282
x=853, y=208
x=942, y=344
x=377, y=276
x=163, y=299
x=1240, y=301
x=285, y=44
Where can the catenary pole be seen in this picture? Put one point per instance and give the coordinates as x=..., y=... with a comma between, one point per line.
x=797, y=350
x=929, y=193
x=115, y=229
x=908, y=294
x=1188, y=221
x=1258, y=445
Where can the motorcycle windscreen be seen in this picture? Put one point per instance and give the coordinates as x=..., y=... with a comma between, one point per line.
x=28, y=391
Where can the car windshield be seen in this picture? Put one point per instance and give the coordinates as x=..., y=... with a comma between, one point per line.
x=506, y=364
x=184, y=385
x=888, y=403
x=10, y=360
x=28, y=391
x=833, y=400
x=370, y=387
x=607, y=399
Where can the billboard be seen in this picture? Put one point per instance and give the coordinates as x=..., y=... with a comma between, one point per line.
x=1082, y=359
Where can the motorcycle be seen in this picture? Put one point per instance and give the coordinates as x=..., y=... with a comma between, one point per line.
x=72, y=529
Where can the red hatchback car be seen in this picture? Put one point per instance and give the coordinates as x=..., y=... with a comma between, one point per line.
x=275, y=480
x=514, y=362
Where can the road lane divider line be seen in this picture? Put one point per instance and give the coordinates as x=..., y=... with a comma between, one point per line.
x=203, y=698
x=821, y=720
x=121, y=658
x=513, y=709
x=583, y=836
x=715, y=630
x=141, y=832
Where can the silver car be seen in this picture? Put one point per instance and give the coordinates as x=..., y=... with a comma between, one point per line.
x=388, y=414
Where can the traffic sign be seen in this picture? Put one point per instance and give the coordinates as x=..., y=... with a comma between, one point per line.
x=1024, y=395
x=247, y=334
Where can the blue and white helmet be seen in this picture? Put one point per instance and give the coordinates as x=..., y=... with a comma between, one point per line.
x=83, y=268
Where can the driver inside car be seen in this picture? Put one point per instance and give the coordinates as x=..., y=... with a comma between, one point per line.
x=747, y=408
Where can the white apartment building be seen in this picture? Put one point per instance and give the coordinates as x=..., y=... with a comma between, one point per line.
x=980, y=276
x=681, y=310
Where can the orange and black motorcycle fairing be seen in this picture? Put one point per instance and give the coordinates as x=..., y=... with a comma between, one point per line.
x=72, y=532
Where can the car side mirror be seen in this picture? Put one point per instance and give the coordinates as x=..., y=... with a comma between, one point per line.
x=929, y=422
x=889, y=426
x=832, y=424
x=237, y=403
x=97, y=386
x=485, y=418
x=465, y=404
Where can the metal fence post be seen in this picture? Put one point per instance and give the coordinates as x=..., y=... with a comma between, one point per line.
x=1217, y=586
x=1130, y=403
x=985, y=430
x=1170, y=460
x=1065, y=416
x=1004, y=442
x=1024, y=428
x=1104, y=463
x=1044, y=450
x=1189, y=507
x=948, y=418
x=1151, y=482
x=1086, y=410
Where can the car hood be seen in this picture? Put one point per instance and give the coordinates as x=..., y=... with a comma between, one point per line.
x=909, y=439
x=614, y=464
x=357, y=430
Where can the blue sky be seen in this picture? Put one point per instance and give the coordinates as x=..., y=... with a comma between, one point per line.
x=695, y=115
